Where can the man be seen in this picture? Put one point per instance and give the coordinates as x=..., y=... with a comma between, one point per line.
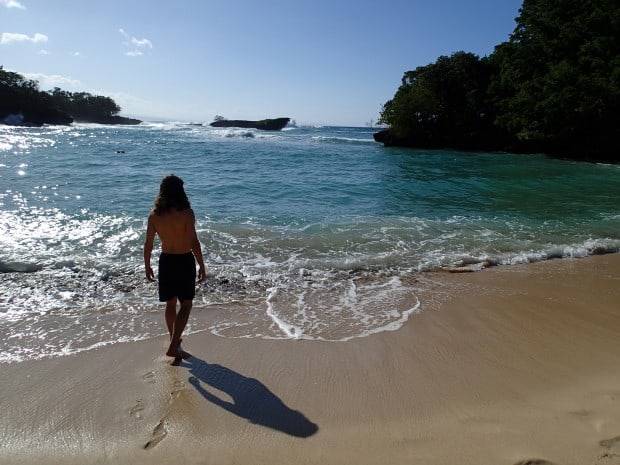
x=172, y=219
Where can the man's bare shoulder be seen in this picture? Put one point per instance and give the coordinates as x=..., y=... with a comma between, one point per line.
x=187, y=212
x=172, y=216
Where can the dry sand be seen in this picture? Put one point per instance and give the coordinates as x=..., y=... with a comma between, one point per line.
x=511, y=365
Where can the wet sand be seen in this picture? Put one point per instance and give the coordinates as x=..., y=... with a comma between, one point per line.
x=510, y=365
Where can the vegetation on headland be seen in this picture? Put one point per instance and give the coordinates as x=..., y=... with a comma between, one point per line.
x=554, y=88
x=21, y=96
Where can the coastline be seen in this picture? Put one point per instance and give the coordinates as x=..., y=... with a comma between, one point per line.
x=501, y=366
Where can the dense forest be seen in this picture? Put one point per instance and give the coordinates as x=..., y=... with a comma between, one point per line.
x=21, y=96
x=554, y=87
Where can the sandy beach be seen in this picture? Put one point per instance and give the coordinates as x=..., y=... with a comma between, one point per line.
x=510, y=365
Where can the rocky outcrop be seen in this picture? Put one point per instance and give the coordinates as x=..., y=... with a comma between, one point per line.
x=110, y=120
x=504, y=143
x=274, y=124
x=37, y=117
x=53, y=116
x=386, y=138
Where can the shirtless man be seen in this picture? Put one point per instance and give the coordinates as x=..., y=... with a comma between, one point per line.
x=172, y=219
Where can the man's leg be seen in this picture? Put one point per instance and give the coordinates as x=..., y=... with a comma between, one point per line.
x=178, y=327
x=171, y=314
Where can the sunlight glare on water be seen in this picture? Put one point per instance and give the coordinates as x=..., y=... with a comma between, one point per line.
x=308, y=233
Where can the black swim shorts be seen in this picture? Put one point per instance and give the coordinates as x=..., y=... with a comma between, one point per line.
x=177, y=276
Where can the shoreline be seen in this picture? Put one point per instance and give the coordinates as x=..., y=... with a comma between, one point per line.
x=217, y=283
x=504, y=365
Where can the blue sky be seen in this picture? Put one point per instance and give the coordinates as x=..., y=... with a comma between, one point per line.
x=319, y=62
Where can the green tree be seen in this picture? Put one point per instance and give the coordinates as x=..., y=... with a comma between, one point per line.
x=444, y=104
x=553, y=87
x=87, y=107
x=558, y=81
x=19, y=95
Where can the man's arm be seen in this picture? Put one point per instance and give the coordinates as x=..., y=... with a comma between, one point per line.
x=197, y=249
x=148, y=248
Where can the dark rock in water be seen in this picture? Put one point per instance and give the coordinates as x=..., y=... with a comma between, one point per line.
x=19, y=267
x=500, y=141
x=110, y=120
x=382, y=136
x=35, y=118
x=43, y=116
x=389, y=139
x=274, y=124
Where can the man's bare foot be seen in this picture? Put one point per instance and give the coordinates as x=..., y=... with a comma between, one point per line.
x=178, y=353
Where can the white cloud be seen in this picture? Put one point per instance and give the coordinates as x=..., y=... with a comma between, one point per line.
x=10, y=37
x=43, y=52
x=141, y=42
x=12, y=4
x=49, y=81
x=135, y=44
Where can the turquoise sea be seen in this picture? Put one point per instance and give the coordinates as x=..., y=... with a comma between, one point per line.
x=314, y=233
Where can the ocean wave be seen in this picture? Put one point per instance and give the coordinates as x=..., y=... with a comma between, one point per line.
x=244, y=134
x=343, y=140
x=73, y=306
x=479, y=262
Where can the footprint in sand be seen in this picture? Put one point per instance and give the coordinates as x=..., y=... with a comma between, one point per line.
x=177, y=387
x=136, y=411
x=534, y=462
x=609, y=443
x=149, y=377
x=608, y=459
x=159, y=433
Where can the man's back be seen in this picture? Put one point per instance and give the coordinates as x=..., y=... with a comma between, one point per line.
x=175, y=230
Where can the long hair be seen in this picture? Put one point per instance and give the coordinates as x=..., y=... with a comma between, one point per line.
x=171, y=195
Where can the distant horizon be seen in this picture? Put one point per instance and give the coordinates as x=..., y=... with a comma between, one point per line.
x=161, y=119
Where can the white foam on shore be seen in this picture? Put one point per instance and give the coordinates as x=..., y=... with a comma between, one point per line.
x=290, y=331
x=77, y=278
x=319, y=308
x=336, y=139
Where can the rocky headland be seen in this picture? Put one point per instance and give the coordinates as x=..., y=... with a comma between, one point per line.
x=273, y=124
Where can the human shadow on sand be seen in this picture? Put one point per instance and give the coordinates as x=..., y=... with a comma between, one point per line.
x=251, y=398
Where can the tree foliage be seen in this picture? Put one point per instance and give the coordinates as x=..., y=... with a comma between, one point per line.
x=84, y=106
x=559, y=75
x=20, y=95
x=444, y=104
x=553, y=87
